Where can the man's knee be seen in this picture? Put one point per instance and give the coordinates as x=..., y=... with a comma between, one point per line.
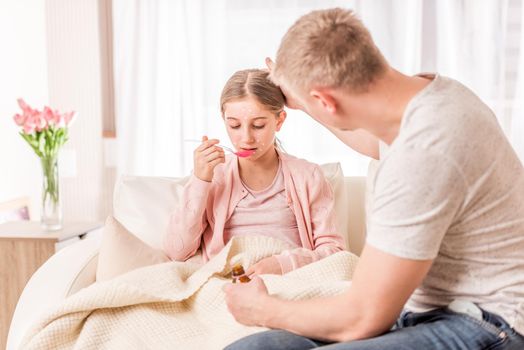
x=272, y=340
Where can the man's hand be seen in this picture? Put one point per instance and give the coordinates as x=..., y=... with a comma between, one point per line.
x=267, y=265
x=245, y=301
x=359, y=140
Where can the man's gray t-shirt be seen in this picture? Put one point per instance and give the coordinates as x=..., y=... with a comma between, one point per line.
x=451, y=188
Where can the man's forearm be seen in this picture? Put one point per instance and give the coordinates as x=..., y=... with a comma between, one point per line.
x=360, y=141
x=381, y=285
x=332, y=318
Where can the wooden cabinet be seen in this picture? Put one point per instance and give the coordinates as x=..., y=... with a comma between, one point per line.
x=24, y=247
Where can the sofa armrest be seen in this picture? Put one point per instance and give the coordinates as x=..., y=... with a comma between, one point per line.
x=66, y=272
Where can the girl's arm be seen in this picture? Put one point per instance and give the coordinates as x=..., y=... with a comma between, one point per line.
x=323, y=224
x=188, y=221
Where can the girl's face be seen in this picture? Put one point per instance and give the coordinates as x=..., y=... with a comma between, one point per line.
x=251, y=126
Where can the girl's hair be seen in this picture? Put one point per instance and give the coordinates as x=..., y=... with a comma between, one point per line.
x=253, y=83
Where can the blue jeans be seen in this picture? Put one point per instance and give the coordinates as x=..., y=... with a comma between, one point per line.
x=433, y=330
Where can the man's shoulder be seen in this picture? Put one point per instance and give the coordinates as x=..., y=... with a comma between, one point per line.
x=446, y=103
x=450, y=120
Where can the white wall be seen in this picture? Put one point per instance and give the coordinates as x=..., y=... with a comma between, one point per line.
x=23, y=73
x=75, y=82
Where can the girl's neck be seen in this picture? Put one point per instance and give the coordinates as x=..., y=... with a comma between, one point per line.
x=262, y=169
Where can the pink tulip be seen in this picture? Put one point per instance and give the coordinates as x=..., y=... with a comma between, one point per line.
x=19, y=119
x=69, y=117
x=59, y=120
x=25, y=107
x=32, y=120
x=48, y=114
x=40, y=122
x=52, y=117
x=29, y=128
x=27, y=110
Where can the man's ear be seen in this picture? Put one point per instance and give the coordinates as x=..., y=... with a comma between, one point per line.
x=269, y=63
x=280, y=119
x=325, y=98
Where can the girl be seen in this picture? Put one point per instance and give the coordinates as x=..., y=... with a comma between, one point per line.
x=265, y=192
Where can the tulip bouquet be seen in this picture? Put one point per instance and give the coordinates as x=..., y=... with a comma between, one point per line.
x=46, y=131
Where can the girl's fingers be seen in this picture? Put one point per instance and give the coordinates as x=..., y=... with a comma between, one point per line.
x=215, y=155
x=206, y=160
x=216, y=162
x=206, y=144
x=210, y=150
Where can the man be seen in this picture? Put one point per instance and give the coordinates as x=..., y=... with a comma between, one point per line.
x=443, y=265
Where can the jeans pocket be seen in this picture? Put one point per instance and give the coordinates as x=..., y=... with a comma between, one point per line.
x=497, y=336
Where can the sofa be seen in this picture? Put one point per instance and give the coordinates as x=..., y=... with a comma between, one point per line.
x=142, y=205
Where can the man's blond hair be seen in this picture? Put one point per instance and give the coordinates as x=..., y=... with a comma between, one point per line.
x=328, y=48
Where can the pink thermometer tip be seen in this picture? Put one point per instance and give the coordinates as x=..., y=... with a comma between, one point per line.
x=244, y=154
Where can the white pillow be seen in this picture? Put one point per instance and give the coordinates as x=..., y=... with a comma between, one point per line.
x=144, y=204
x=335, y=176
x=370, y=184
x=122, y=251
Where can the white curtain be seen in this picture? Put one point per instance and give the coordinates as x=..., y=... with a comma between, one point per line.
x=478, y=43
x=472, y=47
x=172, y=57
x=159, y=83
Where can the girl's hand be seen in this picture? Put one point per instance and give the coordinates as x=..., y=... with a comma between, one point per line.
x=268, y=265
x=206, y=157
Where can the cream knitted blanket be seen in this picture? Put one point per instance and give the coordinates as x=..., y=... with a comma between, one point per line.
x=178, y=305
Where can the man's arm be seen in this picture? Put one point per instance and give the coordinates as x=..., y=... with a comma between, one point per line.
x=381, y=285
x=359, y=140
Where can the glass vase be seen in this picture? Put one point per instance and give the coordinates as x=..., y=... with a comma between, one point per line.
x=51, y=217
